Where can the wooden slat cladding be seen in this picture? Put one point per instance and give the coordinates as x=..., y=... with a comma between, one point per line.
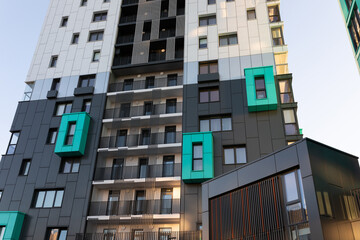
x=253, y=212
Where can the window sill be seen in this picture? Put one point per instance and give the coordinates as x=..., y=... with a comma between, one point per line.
x=208, y=77
x=52, y=94
x=83, y=91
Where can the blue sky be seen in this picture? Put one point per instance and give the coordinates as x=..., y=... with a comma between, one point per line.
x=326, y=81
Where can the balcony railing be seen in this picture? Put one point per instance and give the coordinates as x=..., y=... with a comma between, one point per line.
x=195, y=235
x=131, y=172
x=159, y=82
x=125, y=39
x=128, y=2
x=157, y=56
x=139, y=140
x=140, y=111
x=134, y=207
x=122, y=60
x=128, y=19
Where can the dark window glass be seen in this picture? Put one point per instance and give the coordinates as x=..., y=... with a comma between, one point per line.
x=125, y=110
x=274, y=14
x=55, y=84
x=96, y=36
x=208, y=67
x=51, y=138
x=166, y=201
x=100, y=17
x=215, y=124
x=228, y=40
x=150, y=82
x=260, y=87
x=140, y=205
x=121, y=138
x=13, y=143
x=75, y=38
x=145, y=136
x=87, y=81
x=208, y=20
x=170, y=134
x=70, y=165
x=211, y=1
x=148, y=108
x=70, y=133
x=143, y=167
x=171, y=106
x=172, y=80
x=25, y=167
x=209, y=94
x=53, y=61
x=251, y=14
x=56, y=234
x=113, y=202
x=164, y=8
x=117, y=169
x=86, y=106
x=197, y=157
x=203, y=42
x=64, y=21
x=168, y=166
x=146, y=31
x=128, y=84
x=83, y=3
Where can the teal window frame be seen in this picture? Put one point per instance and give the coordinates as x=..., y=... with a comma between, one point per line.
x=271, y=100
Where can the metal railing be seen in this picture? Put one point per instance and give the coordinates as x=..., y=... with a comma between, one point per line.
x=125, y=39
x=128, y=19
x=157, y=56
x=134, y=207
x=140, y=111
x=131, y=172
x=122, y=60
x=139, y=140
x=128, y=2
x=141, y=84
x=195, y=235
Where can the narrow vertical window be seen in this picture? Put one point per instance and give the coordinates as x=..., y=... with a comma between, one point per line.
x=53, y=61
x=25, y=167
x=55, y=84
x=51, y=138
x=13, y=143
x=70, y=134
x=86, y=106
x=96, y=56
x=64, y=21
x=198, y=157
x=260, y=87
x=75, y=38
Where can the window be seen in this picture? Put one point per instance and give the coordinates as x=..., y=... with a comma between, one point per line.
x=148, y=108
x=101, y=16
x=277, y=36
x=64, y=21
x=290, y=122
x=96, y=36
x=260, y=87
x=170, y=134
x=56, y=234
x=166, y=201
x=164, y=12
x=215, y=124
x=228, y=40
x=117, y=169
x=1, y=192
x=87, y=81
x=13, y=142
x=274, y=14
x=121, y=138
x=109, y=234
x=234, y=155
x=145, y=136
x=197, y=157
x=207, y=20
x=55, y=84
x=51, y=137
x=251, y=14
x=211, y=2
x=208, y=67
x=69, y=165
x=143, y=167
x=146, y=31
x=125, y=110
x=203, y=42
x=48, y=198
x=128, y=84
x=209, y=94
x=150, y=82
x=53, y=61
x=75, y=38
x=168, y=166
x=70, y=133
x=25, y=167
x=96, y=56
x=281, y=63
x=62, y=108
x=171, y=105
x=83, y=3
x=2, y=228
x=113, y=201
x=354, y=28
x=285, y=91
x=172, y=80
x=86, y=106
x=164, y=233
x=106, y=1
x=140, y=206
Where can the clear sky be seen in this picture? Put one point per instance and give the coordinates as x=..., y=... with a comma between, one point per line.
x=326, y=81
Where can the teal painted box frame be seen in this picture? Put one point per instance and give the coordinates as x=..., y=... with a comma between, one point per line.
x=188, y=174
x=13, y=222
x=268, y=103
x=82, y=120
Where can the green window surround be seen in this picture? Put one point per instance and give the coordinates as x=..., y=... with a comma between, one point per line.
x=78, y=137
x=270, y=102
x=13, y=222
x=189, y=175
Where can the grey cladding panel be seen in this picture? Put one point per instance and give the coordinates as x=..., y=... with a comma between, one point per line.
x=180, y=26
x=140, y=52
x=170, y=49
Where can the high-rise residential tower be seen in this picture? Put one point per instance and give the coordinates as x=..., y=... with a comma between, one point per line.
x=134, y=109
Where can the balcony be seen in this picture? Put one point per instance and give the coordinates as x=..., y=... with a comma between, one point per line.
x=135, y=207
x=129, y=2
x=195, y=235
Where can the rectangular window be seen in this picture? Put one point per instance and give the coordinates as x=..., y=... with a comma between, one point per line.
x=290, y=122
x=69, y=165
x=53, y=61
x=13, y=143
x=226, y=40
x=70, y=133
x=215, y=124
x=100, y=16
x=1, y=193
x=197, y=157
x=211, y=2
x=145, y=136
x=2, y=228
x=62, y=108
x=274, y=14
x=140, y=204
x=251, y=14
x=277, y=36
x=109, y=234
x=96, y=36
x=64, y=21
x=168, y=166
x=209, y=95
x=51, y=138
x=75, y=38
x=128, y=85
x=48, y=198
x=146, y=31
x=281, y=63
x=86, y=106
x=25, y=167
x=117, y=169
x=106, y=1
x=125, y=110
x=148, y=108
x=83, y=3
x=143, y=167
x=207, y=20
x=171, y=105
x=172, y=80
x=96, y=56
x=113, y=202
x=56, y=234
x=150, y=82
x=285, y=91
x=170, y=134
x=55, y=84
x=203, y=42
x=121, y=138
x=87, y=81
x=164, y=233
x=235, y=155
x=166, y=201
x=208, y=67
x=260, y=87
